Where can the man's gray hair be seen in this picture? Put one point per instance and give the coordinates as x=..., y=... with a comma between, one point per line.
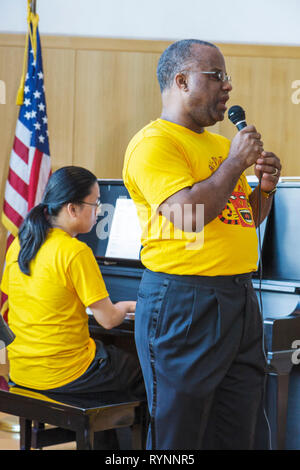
x=174, y=59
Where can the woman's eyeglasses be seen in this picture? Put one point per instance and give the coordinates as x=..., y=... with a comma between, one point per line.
x=96, y=204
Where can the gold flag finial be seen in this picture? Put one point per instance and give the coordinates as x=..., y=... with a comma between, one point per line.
x=32, y=21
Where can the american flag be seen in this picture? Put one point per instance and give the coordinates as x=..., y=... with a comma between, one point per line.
x=30, y=165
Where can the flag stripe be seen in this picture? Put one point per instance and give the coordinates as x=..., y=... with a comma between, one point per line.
x=9, y=240
x=34, y=177
x=21, y=149
x=9, y=225
x=44, y=175
x=15, y=199
x=19, y=167
x=12, y=215
x=23, y=133
x=18, y=184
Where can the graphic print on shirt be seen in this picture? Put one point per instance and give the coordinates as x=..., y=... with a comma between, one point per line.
x=237, y=210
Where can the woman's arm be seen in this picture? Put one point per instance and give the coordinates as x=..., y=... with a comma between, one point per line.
x=110, y=315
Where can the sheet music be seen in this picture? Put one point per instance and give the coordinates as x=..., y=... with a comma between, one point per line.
x=125, y=233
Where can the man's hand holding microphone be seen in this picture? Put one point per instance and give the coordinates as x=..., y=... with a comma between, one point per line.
x=247, y=146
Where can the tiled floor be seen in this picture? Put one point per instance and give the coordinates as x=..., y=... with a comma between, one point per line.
x=10, y=440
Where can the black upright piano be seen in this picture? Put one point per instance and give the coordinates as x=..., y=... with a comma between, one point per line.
x=121, y=275
x=277, y=284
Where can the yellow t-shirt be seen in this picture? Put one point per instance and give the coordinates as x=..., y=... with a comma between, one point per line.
x=47, y=311
x=164, y=158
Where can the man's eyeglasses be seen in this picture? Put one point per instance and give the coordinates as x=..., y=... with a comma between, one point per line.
x=219, y=76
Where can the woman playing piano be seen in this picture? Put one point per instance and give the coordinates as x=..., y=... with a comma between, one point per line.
x=51, y=278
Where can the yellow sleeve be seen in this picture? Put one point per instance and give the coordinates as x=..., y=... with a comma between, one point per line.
x=4, y=281
x=158, y=168
x=86, y=277
x=11, y=257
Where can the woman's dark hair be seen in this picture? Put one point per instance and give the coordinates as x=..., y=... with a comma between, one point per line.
x=68, y=184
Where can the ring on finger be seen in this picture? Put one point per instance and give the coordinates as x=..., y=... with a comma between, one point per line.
x=275, y=172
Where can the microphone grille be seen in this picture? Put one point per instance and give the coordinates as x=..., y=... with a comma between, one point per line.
x=236, y=114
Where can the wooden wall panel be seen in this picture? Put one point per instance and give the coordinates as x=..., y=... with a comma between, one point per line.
x=263, y=87
x=11, y=62
x=100, y=91
x=115, y=96
x=59, y=72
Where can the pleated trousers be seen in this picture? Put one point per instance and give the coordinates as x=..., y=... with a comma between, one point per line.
x=200, y=344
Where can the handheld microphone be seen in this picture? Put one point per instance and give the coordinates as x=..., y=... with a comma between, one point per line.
x=237, y=116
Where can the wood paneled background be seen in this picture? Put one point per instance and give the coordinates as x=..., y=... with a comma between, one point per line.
x=99, y=92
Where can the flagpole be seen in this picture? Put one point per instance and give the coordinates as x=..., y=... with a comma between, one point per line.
x=6, y=424
x=43, y=151
x=33, y=6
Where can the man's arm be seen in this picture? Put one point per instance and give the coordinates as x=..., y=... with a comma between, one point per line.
x=266, y=204
x=215, y=191
x=268, y=170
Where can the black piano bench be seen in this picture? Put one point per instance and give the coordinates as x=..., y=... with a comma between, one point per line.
x=92, y=420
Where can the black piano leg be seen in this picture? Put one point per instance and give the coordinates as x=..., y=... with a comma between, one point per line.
x=283, y=393
x=85, y=438
x=277, y=393
x=25, y=433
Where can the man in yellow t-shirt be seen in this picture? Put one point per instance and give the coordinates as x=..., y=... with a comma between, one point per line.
x=198, y=326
